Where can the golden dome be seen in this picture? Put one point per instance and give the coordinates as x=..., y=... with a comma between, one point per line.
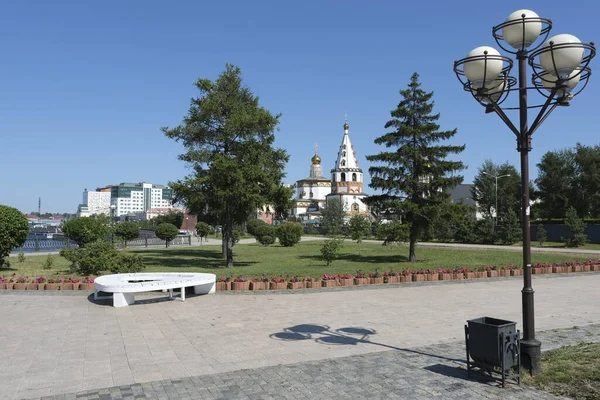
x=346, y=126
x=316, y=159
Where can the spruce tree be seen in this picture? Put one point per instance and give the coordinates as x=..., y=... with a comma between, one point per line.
x=414, y=173
x=542, y=235
x=576, y=225
x=510, y=231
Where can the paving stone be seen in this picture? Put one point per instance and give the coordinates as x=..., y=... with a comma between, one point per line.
x=366, y=341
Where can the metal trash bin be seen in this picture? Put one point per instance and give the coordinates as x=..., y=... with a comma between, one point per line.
x=494, y=346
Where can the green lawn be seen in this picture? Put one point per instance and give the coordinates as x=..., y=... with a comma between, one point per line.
x=572, y=371
x=557, y=245
x=303, y=259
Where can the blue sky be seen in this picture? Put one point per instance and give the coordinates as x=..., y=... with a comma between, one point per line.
x=85, y=86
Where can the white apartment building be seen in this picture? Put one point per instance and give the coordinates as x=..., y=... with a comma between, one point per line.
x=133, y=198
x=94, y=202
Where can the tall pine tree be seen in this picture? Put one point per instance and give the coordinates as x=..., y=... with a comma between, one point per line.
x=414, y=174
x=229, y=140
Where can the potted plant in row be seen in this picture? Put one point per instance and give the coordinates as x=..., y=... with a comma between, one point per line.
x=313, y=283
x=345, y=280
x=391, y=277
x=87, y=283
x=375, y=278
x=261, y=283
x=418, y=276
x=223, y=283
x=278, y=284
x=240, y=284
x=329, y=280
x=360, y=279
x=491, y=271
x=20, y=283
x=5, y=284
x=297, y=283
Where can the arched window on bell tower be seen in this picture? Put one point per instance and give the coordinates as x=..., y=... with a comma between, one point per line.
x=343, y=177
x=354, y=177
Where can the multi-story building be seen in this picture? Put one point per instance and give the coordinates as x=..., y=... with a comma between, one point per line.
x=133, y=198
x=94, y=203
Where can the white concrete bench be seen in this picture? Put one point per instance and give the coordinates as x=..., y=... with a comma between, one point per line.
x=124, y=286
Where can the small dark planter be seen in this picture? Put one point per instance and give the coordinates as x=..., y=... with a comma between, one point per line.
x=494, y=346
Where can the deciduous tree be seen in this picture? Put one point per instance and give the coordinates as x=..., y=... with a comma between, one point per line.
x=14, y=229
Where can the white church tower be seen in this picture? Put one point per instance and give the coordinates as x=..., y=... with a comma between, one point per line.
x=347, y=179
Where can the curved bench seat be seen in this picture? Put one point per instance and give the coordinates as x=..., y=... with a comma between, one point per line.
x=123, y=286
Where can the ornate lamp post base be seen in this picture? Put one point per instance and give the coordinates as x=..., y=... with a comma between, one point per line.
x=531, y=355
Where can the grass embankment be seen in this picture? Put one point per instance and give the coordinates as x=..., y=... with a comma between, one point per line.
x=572, y=371
x=252, y=260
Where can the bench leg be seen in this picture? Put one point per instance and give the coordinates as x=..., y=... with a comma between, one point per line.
x=170, y=293
x=207, y=288
x=182, y=294
x=95, y=294
x=123, y=299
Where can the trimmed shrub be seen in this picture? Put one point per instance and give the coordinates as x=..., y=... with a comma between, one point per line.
x=167, y=232
x=90, y=260
x=254, y=225
x=266, y=240
x=102, y=256
x=127, y=231
x=289, y=233
x=85, y=230
x=128, y=263
x=203, y=229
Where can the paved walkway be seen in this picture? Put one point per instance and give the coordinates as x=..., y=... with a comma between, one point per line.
x=436, y=371
x=64, y=343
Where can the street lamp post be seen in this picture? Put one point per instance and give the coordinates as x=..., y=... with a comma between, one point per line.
x=112, y=222
x=496, y=177
x=559, y=65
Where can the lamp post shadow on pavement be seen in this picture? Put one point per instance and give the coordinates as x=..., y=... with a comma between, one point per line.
x=560, y=71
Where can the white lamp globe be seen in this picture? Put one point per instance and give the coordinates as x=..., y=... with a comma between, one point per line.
x=521, y=35
x=565, y=59
x=549, y=82
x=484, y=70
x=495, y=91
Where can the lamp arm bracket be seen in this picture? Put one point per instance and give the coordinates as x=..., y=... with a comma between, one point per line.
x=496, y=108
x=544, y=112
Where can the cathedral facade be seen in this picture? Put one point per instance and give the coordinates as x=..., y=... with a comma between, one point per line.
x=345, y=185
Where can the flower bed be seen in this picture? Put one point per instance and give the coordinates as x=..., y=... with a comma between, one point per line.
x=15, y=282
x=43, y=283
